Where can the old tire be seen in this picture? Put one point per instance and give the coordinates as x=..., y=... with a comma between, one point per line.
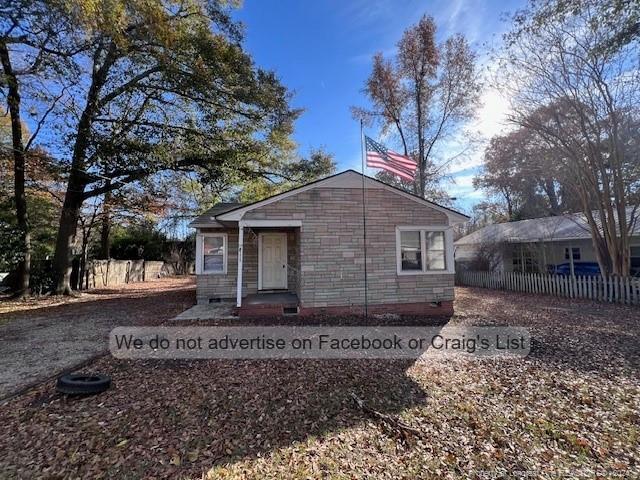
x=83, y=384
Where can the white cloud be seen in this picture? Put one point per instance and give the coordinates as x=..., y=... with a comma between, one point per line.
x=464, y=17
x=464, y=180
x=473, y=161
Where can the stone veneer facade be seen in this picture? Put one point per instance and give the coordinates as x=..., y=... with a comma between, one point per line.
x=327, y=251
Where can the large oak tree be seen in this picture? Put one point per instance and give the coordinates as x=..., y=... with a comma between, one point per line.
x=163, y=85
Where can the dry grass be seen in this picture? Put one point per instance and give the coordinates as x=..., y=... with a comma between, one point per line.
x=571, y=408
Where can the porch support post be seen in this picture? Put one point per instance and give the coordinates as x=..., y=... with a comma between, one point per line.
x=240, y=255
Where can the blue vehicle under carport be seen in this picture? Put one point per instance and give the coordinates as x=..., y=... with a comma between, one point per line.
x=586, y=269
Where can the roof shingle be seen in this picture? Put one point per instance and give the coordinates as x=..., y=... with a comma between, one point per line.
x=209, y=216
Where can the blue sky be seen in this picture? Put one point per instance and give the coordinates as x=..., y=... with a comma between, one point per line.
x=322, y=51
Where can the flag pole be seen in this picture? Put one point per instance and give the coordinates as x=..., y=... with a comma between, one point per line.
x=364, y=220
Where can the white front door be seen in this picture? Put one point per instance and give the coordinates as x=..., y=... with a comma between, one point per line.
x=273, y=261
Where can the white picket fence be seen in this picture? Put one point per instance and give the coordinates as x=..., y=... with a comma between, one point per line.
x=604, y=289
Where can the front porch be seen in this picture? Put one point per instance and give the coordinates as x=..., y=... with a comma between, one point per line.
x=268, y=266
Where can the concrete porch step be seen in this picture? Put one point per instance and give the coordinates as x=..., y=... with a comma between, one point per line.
x=269, y=304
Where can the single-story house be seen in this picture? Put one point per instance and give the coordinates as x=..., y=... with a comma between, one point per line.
x=303, y=251
x=532, y=246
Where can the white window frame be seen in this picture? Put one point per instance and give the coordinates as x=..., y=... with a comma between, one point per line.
x=200, y=253
x=448, y=249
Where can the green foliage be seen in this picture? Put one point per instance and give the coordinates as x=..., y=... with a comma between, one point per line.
x=146, y=87
x=43, y=217
x=286, y=170
x=43, y=213
x=176, y=92
x=289, y=174
x=138, y=242
x=10, y=246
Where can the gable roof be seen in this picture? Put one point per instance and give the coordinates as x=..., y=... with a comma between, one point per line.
x=347, y=179
x=572, y=226
x=209, y=217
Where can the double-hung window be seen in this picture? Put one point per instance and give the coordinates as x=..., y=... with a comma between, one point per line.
x=422, y=250
x=212, y=253
x=410, y=251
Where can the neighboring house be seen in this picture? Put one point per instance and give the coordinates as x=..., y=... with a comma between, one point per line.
x=302, y=251
x=532, y=246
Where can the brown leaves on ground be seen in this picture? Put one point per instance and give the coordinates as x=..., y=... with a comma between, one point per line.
x=571, y=408
x=41, y=338
x=10, y=306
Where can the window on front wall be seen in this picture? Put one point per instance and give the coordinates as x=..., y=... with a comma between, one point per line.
x=214, y=253
x=435, y=250
x=525, y=259
x=421, y=250
x=410, y=251
x=635, y=260
x=575, y=252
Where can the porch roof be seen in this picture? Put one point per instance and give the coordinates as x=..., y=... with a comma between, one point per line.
x=208, y=218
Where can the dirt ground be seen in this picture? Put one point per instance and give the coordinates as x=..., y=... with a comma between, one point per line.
x=571, y=409
x=42, y=338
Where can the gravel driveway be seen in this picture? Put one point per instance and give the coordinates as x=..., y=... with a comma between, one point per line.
x=41, y=339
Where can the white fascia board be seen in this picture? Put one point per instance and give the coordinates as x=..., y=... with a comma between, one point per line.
x=206, y=225
x=537, y=240
x=272, y=223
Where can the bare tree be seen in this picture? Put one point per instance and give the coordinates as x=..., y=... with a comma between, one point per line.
x=425, y=96
x=87, y=222
x=487, y=257
x=581, y=96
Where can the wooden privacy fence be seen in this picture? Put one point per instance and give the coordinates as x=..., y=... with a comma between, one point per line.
x=107, y=273
x=612, y=289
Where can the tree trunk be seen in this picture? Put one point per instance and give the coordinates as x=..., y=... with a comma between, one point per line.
x=19, y=166
x=62, y=260
x=422, y=162
x=84, y=258
x=105, y=231
x=74, y=196
x=550, y=189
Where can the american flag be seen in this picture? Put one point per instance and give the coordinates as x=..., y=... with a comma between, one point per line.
x=378, y=156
